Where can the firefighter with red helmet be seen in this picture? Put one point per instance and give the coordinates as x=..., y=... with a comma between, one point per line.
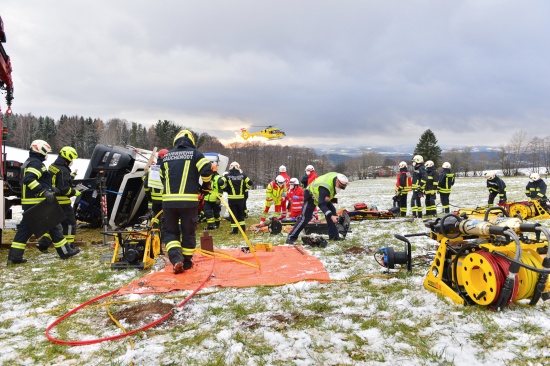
x=212, y=203
x=275, y=193
x=37, y=187
x=403, y=186
x=295, y=198
x=62, y=180
x=181, y=171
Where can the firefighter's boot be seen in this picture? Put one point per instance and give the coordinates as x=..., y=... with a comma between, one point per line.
x=187, y=262
x=176, y=258
x=15, y=256
x=211, y=226
x=66, y=251
x=43, y=244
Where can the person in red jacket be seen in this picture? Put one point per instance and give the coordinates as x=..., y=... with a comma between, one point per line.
x=295, y=198
x=284, y=201
x=309, y=177
x=275, y=192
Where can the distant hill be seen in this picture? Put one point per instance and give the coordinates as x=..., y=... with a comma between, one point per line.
x=404, y=152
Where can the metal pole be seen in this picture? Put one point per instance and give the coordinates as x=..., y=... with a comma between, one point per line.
x=104, y=212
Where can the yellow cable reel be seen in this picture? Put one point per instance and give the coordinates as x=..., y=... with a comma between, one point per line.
x=524, y=210
x=480, y=281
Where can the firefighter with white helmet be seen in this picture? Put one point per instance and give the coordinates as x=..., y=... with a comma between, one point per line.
x=403, y=185
x=418, y=184
x=274, y=195
x=236, y=183
x=536, y=190
x=432, y=180
x=446, y=181
x=320, y=193
x=36, y=187
x=496, y=186
x=284, y=201
x=296, y=198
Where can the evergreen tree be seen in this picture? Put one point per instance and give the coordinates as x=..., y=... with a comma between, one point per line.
x=427, y=147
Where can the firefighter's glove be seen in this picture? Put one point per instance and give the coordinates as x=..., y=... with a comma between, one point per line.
x=77, y=193
x=49, y=196
x=205, y=187
x=395, y=199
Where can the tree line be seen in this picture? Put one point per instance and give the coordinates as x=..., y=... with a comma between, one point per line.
x=261, y=160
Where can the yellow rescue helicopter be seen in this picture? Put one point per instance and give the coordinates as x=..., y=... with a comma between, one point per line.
x=270, y=133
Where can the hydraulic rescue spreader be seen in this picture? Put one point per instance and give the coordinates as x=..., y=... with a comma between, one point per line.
x=492, y=261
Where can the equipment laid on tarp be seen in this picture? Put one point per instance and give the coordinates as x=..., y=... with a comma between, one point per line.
x=43, y=217
x=282, y=265
x=491, y=261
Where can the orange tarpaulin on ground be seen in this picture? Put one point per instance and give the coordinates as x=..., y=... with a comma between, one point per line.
x=285, y=264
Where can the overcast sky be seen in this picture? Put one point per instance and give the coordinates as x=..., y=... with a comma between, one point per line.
x=342, y=73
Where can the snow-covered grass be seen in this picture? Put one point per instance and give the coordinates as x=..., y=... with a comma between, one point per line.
x=362, y=318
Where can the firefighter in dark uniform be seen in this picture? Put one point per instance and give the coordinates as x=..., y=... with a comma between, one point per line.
x=320, y=193
x=37, y=187
x=446, y=181
x=418, y=186
x=181, y=169
x=212, y=203
x=236, y=183
x=536, y=190
x=62, y=180
x=432, y=180
x=496, y=186
x=402, y=188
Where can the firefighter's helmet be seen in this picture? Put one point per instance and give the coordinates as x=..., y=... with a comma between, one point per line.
x=282, y=169
x=184, y=133
x=429, y=164
x=402, y=164
x=342, y=180
x=161, y=153
x=310, y=168
x=294, y=181
x=418, y=159
x=280, y=180
x=41, y=147
x=69, y=153
x=490, y=175
x=446, y=165
x=534, y=177
x=234, y=165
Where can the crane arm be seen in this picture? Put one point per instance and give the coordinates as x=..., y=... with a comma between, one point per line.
x=6, y=82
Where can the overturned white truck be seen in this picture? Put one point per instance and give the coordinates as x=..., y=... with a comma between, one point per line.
x=118, y=173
